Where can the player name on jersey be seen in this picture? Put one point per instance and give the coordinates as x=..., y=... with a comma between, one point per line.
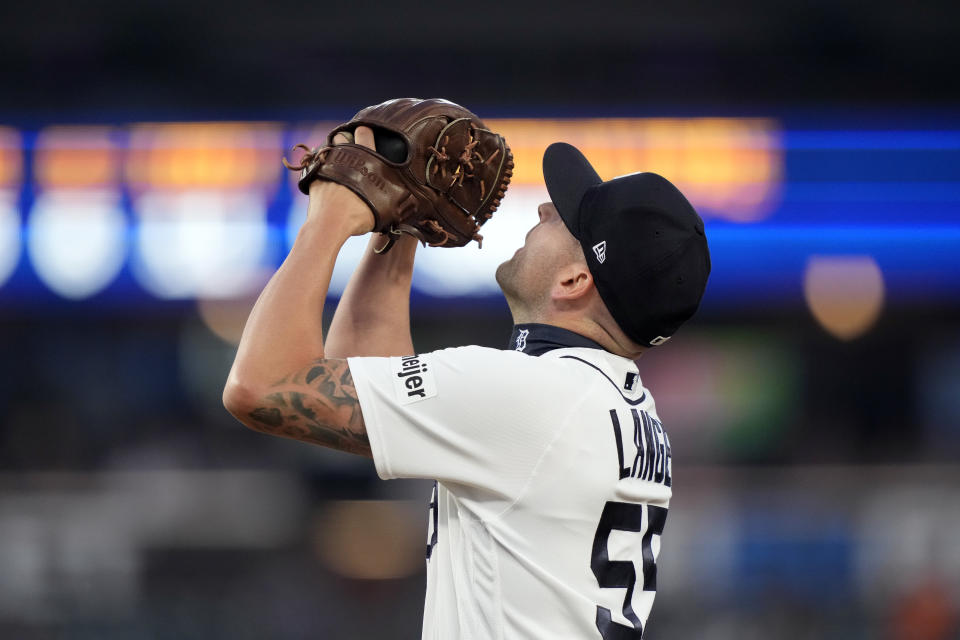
x=649, y=456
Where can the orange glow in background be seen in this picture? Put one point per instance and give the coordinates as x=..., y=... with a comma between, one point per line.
x=76, y=157
x=194, y=155
x=729, y=168
x=844, y=293
x=11, y=158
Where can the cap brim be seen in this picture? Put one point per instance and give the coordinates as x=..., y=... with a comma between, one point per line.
x=568, y=176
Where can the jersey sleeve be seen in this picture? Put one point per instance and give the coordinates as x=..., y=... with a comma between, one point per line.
x=472, y=416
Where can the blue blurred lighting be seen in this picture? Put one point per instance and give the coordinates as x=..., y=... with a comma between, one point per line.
x=10, y=240
x=77, y=241
x=892, y=195
x=765, y=260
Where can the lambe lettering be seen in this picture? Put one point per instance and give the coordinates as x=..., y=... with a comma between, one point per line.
x=651, y=459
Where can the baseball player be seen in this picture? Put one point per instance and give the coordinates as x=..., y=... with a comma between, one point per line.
x=553, y=471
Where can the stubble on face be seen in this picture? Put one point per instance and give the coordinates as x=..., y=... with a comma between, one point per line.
x=527, y=277
x=525, y=280
x=506, y=275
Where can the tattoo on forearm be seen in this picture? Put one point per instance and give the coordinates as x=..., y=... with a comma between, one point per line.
x=313, y=405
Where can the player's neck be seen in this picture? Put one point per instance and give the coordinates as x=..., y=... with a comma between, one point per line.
x=589, y=328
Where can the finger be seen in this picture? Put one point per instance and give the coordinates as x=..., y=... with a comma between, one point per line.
x=364, y=136
x=344, y=137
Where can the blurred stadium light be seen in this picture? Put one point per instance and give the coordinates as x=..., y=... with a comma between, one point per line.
x=212, y=210
x=77, y=228
x=845, y=293
x=11, y=175
x=729, y=168
x=200, y=194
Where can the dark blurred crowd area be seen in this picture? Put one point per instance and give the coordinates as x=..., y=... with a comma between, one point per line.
x=132, y=388
x=133, y=506
x=175, y=58
x=816, y=477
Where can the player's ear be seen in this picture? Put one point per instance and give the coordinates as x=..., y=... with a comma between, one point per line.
x=573, y=282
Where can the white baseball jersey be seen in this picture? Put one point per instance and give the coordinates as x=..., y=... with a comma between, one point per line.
x=553, y=482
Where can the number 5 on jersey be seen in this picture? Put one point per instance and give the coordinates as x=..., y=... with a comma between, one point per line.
x=620, y=574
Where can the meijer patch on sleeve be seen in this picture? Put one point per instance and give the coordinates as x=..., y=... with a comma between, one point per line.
x=413, y=378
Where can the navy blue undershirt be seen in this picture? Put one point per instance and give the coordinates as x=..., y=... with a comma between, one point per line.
x=541, y=338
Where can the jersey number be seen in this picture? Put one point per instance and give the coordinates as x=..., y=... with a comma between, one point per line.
x=619, y=574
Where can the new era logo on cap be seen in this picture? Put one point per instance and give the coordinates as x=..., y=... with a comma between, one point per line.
x=601, y=250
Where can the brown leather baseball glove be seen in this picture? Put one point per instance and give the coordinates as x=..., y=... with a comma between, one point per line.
x=437, y=172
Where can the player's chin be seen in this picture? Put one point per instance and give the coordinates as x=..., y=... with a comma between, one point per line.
x=512, y=260
x=504, y=274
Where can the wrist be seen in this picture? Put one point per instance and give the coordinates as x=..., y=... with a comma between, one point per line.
x=329, y=230
x=329, y=200
x=399, y=260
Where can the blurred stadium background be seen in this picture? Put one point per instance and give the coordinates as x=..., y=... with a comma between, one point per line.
x=814, y=404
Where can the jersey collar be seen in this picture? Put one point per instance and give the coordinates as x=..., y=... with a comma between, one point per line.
x=537, y=339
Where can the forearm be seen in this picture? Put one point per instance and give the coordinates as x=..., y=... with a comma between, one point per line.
x=284, y=330
x=373, y=316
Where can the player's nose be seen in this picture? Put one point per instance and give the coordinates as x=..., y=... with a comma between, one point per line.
x=546, y=211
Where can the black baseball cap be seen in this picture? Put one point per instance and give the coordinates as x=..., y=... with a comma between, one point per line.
x=644, y=243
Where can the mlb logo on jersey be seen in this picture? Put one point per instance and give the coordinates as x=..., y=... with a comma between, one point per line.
x=413, y=379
